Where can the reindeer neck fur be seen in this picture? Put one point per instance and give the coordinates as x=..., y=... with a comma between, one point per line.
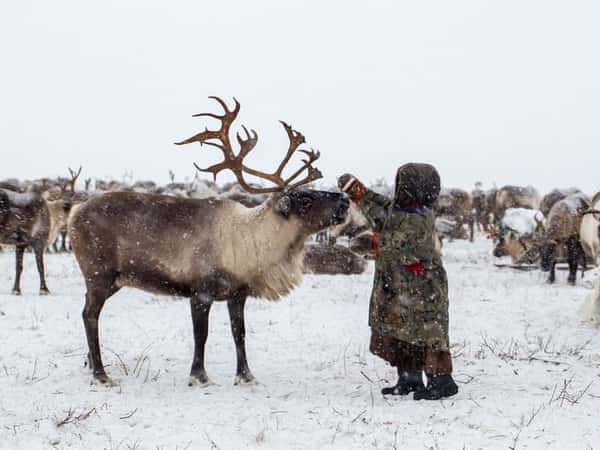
x=58, y=219
x=261, y=248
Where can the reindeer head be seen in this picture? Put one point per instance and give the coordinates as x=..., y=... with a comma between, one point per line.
x=68, y=189
x=316, y=210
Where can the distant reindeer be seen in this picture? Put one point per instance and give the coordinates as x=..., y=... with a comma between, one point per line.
x=25, y=222
x=205, y=249
x=562, y=236
x=332, y=259
x=554, y=196
x=590, y=231
x=481, y=209
x=30, y=220
x=507, y=197
x=455, y=205
x=59, y=212
x=519, y=235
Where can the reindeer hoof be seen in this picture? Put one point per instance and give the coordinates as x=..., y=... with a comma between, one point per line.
x=16, y=292
x=104, y=380
x=200, y=381
x=245, y=380
x=44, y=291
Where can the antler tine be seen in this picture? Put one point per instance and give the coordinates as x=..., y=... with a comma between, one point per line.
x=247, y=144
x=227, y=111
x=74, y=177
x=74, y=174
x=239, y=177
x=222, y=134
x=313, y=155
x=220, y=139
x=296, y=139
x=313, y=175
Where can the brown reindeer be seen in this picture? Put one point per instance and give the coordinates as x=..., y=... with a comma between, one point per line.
x=205, y=249
x=553, y=197
x=25, y=222
x=33, y=220
x=481, y=209
x=60, y=210
x=334, y=259
x=519, y=235
x=512, y=197
x=562, y=236
x=456, y=207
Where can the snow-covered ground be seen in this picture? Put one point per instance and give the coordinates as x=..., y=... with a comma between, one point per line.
x=528, y=368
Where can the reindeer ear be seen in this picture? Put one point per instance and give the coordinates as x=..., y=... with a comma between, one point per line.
x=283, y=205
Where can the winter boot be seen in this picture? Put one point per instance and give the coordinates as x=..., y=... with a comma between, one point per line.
x=407, y=382
x=438, y=387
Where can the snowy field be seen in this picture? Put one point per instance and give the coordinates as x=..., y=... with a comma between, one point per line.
x=528, y=369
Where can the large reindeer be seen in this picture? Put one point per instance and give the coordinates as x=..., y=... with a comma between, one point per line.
x=205, y=249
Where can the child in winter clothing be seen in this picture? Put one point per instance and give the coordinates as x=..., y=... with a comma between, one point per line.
x=409, y=304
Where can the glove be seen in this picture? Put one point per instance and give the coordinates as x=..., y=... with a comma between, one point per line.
x=351, y=186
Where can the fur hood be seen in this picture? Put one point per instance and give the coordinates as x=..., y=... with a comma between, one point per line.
x=416, y=184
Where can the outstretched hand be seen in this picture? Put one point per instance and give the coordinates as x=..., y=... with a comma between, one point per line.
x=349, y=184
x=344, y=179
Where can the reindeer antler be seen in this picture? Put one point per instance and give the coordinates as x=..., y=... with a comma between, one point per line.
x=74, y=176
x=235, y=163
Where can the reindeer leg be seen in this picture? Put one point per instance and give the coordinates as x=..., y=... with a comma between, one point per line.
x=471, y=228
x=238, y=329
x=572, y=257
x=94, y=301
x=552, y=276
x=19, y=251
x=200, y=304
x=583, y=257
x=63, y=247
x=39, y=260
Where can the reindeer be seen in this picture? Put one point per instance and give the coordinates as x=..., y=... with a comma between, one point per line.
x=554, y=196
x=518, y=235
x=562, y=236
x=334, y=259
x=589, y=231
x=25, y=222
x=60, y=210
x=456, y=207
x=481, y=209
x=205, y=249
x=34, y=220
x=512, y=197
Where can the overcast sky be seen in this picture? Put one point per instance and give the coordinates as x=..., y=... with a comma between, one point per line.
x=497, y=91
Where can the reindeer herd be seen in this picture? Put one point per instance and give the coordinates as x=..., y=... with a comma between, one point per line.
x=211, y=243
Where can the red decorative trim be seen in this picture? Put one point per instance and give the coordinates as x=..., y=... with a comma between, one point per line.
x=416, y=268
x=359, y=191
x=375, y=245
